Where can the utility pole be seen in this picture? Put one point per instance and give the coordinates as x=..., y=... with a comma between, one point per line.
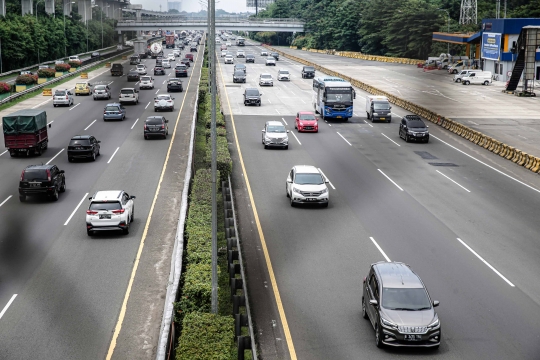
x=212, y=54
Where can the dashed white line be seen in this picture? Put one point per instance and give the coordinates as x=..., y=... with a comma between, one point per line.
x=74, y=106
x=397, y=115
x=332, y=185
x=453, y=181
x=132, y=126
x=113, y=155
x=355, y=114
x=86, y=128
x=390, y=139
x=164, y=81
x=344, y=139
x=380, y=249
x=472, y=122
x=38, y=105
x=158, y=89
x=8, y=305
x=485, y=262
x=54, y=157
x=3, y=202
x=147, y=105
x=296, y=138
x=269, y=101
x=76, y=208
x=303, y=101
x=392, y=181
x=368, y=123
x=277, y=111
x=3, y=153
x=137, y=83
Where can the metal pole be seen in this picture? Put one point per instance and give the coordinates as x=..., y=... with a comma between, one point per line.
x=65, y=37
x=448, y=31
x=1, y=65
x=214, y=162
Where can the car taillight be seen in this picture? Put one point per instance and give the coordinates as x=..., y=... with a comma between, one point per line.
x=67, y=97
x=48, y=175
x=22, y=175
x=121, y=211
x=91, y=212
x=145, y=128
x=163, y=126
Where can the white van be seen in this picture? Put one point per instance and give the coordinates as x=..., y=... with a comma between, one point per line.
x=477, y=77
x=462, y=74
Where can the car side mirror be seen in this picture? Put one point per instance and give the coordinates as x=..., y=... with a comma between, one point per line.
x=90, y=198
x=90, y=84
x=62, y=171
x=373, y=302
x=287, y=131
x=289, y=180
x=263, y=130
x=435, y=303
x=155, y=98
x=172, y=98
x=390, y=107
x=99, y=141
x=166, y=121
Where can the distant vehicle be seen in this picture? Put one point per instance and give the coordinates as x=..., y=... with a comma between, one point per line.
x=63, y=97
x=186, y=62
x=129, y=95
x=166, y=64
x=114, y=111
x=306, y=121
x=156, y=126
x=147, y=82
x=134, y=60
x=378, y=108
x=462, y=74
x=74, y=58
x=250, y=58
x=223, y=47
x=180, y=70
x=169, y=41
x=252, y=96
x=141, y=69
x=283, y=75
x=308, y=72
x=176, y=53
x=140, y=48
x=110, y=210
x=117, y=69
x=270, y=60
x=193, y=48
x=477, y=77
x=102, y=92
x=175, y=85
x=229, y=59
x=306, y=184
x=240, y=41
x=95, y=54
x=133, y=75
x=228, y=44
x=239, y=76
x=240, y=67
x=275, y=55
x=163, y=102
x=190, y=57
x=266, y=79
x=82, y=88
x=264, y=53
x=223, y=53
x=412, y=127
x=83, y=147
x=156, y=49
x=240, y=54
x=274, y=134
x=45, y=180
x=171, y=57
x=333, y=97
x=25, y=132
x=159, y=70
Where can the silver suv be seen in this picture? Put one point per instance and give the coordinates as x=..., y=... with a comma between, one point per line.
x=274, y=134
x=130, y=95
x=307, y=185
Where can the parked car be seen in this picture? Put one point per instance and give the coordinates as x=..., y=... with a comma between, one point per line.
x=114, y=111
x=252, y=96
x=306, y=184
x=63, y=97
x=163, y=102
x=266, y=80
x=101, y=92
x=83, y=147
x=306, y=121
x=42, y=180
x=156, y=126
x=82, y=88
x=158, y=70
x=141, y=69
x=133, y=75
x=462, y=74
x=412, y=127
x=283, y=75
x=477, y=77
x=399, y=308
x=250, y=58
x=147, y=82
x=110, y=210
x=274, y=134
x=130, y=95
x=175, y=84
x=270, y=61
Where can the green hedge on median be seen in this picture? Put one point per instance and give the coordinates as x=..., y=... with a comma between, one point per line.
x=196, y=290
x=223, y=157
x=206, y=337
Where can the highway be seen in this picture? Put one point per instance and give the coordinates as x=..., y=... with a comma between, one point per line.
x=61, y=291
x=463, y=218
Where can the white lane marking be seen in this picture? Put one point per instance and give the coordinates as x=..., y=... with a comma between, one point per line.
x=390, y=139
x=76, y=208
x=7, y=306
x=489, y=166
x=54, y=157
x=38, y=105
x=296, y=138
x=332, y=185
x=269, y=101
x=3, y=153
x=303, y=101
x=147, y=105
x=92, y=123
x=485, y=262
x=137, y=83
x=380, y=249
x=158, y=89
x=453, y=181
x=368, y=123
x=293, y=93
x=472, y=122
x=277, y=111
x=361, y=97
x=523, y=137
x=3, y=202
x=284, y=121
x=75, y=106
x=397, y=115
x=164, y=81
x=392, y=181
x=50, y=122
x=355, y=114
x=132, y=126
x=344, y=139
x=113, y=155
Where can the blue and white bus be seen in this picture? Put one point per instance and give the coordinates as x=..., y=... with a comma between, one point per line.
x=333, y=97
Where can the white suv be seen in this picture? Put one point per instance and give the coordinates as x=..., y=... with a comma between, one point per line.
x=306, y=185
x=147, y=82
x=274, y=134
x=129, y=95
x=141, y=69
x=283, y=75
x=110, y=210
x=266, y=79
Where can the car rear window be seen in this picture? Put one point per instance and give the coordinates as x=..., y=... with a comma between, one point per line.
x=59, y=93
x=145, y=78
x=126, y=91
x=100, y=87
x=154, y=121
x=35, y=174
x=133, y=73
x=163, y=97
x=112, y=108
x=108, y=205
x=83, y=142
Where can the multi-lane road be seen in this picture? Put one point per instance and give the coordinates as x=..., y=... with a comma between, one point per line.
x=463, y=218
x=61, y=291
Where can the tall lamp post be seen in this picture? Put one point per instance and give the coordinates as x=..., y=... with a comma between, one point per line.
x=448, y=27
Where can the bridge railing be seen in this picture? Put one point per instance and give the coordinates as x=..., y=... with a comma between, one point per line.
x=126, y=21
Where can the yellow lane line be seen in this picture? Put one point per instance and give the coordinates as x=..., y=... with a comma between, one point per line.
x=281, y=310
x=122, y=315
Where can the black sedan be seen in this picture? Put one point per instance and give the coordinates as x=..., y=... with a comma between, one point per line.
x=156, y=126
x=159, y=70
x=180, y=70
x=175, y=85
x=133, y=75
x=250, y=58
x=83, y=147
x=185, y=61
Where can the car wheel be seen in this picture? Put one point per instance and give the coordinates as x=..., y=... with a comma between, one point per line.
x=486, y=82
x=63, y=187
x=126, y=229
x=364, y=312
x=54, y=105
x=287, y=147
x=132, y=214
x=389, y=120
x=292, y=202
x=22, y=198
x=407, y=139
x=427, y=140
x=466, y=83
x=89, y=232
x=93, y=156
x=70, y=159
x=266, y=147
x=259, y=104
x=55, y=195
x=287, y=192
x=378, y=339
x=98, y=152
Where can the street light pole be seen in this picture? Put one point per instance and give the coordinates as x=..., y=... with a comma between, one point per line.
x=213, y=69
x=448, y=27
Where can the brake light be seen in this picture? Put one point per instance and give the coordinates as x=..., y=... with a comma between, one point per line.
x=163, y=126
x=67, y=97
x=145, y=128
x=48, y=175
x=121, y=211
x=22, y=175
x=91, y=212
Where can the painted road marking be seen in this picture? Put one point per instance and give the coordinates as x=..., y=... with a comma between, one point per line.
x=54, y=157
x=146, y=106
x=392, y=181
x=284, y=121
x=86, y=128
x=390, y=139
x=76, y=208
x=3, y=202
x=132, y=126
x=344, y=138
x=75, y=106
x=115, y=151
x=296, y=138
x=3, y=153
x=453, y=181
x=380, y=249
x=368, y=123
x=8, y=305
x=332, y=185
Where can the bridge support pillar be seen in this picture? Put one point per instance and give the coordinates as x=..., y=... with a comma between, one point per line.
x=49, y=6
x=27, y=7
x=85, y=10
x=2, y=7
x=67, y=7
x=138, y=14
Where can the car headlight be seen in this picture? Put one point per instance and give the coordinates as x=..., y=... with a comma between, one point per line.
x=296, y=190
x=300, y=123
x=388, y=323
x=375, y=114
x=266, y=138
x=324, y=191
x=435, y=324
x=410, y=132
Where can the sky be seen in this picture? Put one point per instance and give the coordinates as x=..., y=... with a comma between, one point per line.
x=193, y=5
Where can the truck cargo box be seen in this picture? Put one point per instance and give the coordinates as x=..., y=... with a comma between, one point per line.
x=25, y=132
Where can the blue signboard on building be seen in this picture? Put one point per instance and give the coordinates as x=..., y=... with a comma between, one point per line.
x=491, y=46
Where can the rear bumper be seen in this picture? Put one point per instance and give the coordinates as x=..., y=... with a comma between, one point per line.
x=36, y=191
x=120, y=226
x=155, y=133
x=112, y=117
x=80, y=154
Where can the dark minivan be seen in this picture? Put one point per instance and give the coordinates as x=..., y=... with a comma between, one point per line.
x=41, y=180
x=239, y=76
x=156, y=126
x=252, y=96
x=412, y=127
x=308, y=72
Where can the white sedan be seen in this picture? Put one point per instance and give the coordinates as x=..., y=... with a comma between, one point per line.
x=141, y=69
x=147, y=82
x=223, y=53
x=166, y=64
x=229, y=59
x=270, y=61
x=163, y=102
x=171, y=57
x=264, y=53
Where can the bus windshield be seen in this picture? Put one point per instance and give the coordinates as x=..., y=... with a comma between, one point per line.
x=339, y=97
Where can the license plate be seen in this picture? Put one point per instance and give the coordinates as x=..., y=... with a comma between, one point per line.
x=35, y=184
x=383, y=118
x=339, y=117
x=419, y=135
x=311, y=199
x=413, y=337
x=105, y=216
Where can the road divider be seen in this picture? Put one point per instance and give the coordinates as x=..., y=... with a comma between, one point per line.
x=497, y=147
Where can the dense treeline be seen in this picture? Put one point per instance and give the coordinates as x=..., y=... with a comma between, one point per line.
x=401, y=28
x=26, y=41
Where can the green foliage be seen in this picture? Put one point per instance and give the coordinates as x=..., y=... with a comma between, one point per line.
x=74, y=64
x=5, y=88
x=26, y=79
x=46, y=73
x=62, y=67
x=196, y=290
x=206, y=337
x=223, y=157
x=220, y=131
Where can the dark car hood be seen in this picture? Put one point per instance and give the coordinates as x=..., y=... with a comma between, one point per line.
x=252, y=97
x=409, y=318
x=419, y=129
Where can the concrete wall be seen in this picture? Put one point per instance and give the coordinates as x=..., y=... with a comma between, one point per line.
x=2, y=7
x=27, y=7
x=85, y=10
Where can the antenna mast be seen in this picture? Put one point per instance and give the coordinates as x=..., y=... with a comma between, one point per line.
x=468, y=13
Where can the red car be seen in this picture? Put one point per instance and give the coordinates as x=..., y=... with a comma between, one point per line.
x=306, y=121
x=189, y=56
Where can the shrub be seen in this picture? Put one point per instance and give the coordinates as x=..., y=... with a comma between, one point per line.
x=46, y=73
x=206, y=336
x=221, y=131
x=74, y=64
x=62, y=67
x=4, y=88
x=26, y=79
x=223, y=157
x=196, y=290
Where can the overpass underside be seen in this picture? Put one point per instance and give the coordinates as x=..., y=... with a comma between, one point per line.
x=133, y=25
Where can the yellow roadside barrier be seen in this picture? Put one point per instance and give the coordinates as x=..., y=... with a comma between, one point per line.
x=84, y=75
x=124, y=57
x=108, y=64
x=47, y=92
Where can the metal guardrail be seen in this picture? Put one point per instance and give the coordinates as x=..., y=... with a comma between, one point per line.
x=48, y=83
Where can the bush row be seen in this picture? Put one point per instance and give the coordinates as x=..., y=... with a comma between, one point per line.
x=62, y=67
x=46, y=73
x=26, y=79
x=5, y=87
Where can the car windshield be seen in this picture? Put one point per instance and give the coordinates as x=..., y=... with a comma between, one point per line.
x=266, y=76
x=252, y=92
x=154, y=121
x=79, y=142
x=283, y=71
x=126, y=91
x=133, y=73
x=140, y=66
x=81, y=85
x=309, y=68
x=100, y=87
x=381, y=106
x=35, y=174
x=240, y=66
x=309, y=179
x=339, y=97
x=307, y=117
x=59, y=93
x=270, y=58
x=239, y=73
x=112, y=108
x=405, y=299
x=115, y=205
x=275, y=129
x=163, y=97
x=416, y=124
x=146, y=78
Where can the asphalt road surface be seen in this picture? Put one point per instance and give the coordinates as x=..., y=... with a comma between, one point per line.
x=463, y=218
x=61, y=290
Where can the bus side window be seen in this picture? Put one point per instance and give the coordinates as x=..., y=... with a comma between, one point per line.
x=315, y=85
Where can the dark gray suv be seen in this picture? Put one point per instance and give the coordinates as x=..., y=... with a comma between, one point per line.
x=397, y=304
x=412, y=127
x=252, y=96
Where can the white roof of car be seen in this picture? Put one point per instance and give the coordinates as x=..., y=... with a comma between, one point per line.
x=107, y=195
x=274, y=122
x=307, y=169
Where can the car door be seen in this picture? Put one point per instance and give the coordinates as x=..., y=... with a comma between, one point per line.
x=402, y=127
x=290, y=181
x=129, y=204
x=55, y=177
x=373, y=294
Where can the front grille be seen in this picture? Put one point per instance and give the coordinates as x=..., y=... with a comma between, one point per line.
x=308, y=127
x=307, y=193
x=412, y=329
x=277, y=140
